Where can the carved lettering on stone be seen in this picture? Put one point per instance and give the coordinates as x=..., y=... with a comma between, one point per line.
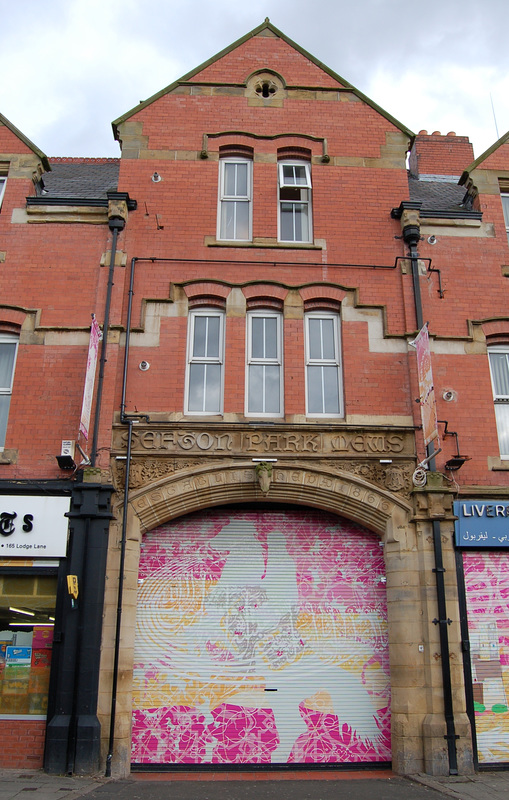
x=179, y=441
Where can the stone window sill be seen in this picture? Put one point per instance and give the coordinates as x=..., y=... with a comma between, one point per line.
x=318, y=244
x=498, y=464
x=8, y=456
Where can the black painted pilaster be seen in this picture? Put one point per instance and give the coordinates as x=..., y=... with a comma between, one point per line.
x=73, y=732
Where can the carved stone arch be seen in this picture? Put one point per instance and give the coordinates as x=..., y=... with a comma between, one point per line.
x=300, y=484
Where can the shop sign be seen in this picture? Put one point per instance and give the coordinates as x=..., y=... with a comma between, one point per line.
x=482, y=523
x=33, y=527
x=287, y=443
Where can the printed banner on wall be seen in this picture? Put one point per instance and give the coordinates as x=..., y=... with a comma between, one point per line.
x=426, y=387
x=261, y=638
x=88, y=393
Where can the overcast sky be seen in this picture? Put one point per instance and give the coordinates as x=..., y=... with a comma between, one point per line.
x=70, y=67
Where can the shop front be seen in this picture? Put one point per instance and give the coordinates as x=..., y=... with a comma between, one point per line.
x=261, y=638
x=33, y=540
x=273, y=610
x=482, y=539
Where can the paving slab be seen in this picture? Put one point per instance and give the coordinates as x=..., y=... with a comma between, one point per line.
x=481, y=786
x=320, y=785
x=23, y=784
x=363, y=789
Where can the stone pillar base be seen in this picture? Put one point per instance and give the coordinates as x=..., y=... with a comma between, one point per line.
x=436, y=756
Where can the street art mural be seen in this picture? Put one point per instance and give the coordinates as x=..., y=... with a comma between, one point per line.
x=487, y=589
x=261, y=638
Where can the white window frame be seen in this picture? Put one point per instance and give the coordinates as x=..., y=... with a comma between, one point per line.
x=504, y=196
x=193, y=359
x=3, y=184
x=253, y=361
x=6, y=391
x=323, y=362
x=286, y=182
x=501, y=402
x=235, y=199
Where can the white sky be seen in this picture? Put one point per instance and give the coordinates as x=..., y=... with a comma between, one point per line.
x=70, y=67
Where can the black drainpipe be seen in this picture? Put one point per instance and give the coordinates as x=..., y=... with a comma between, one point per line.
x=113, y=707
x=411, y=235
x=129, y=422
x=115, y=225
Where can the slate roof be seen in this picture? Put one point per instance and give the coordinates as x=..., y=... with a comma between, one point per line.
x=439, y=195
x=84, y=178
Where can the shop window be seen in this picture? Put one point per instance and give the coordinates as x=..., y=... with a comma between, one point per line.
x=235, y=195
x=8, y=350
x=27, y=609
x=323, y=378
x=264, y=390
x=204, y=384
x=499, y=366
x=294, y=219
x=505, y=206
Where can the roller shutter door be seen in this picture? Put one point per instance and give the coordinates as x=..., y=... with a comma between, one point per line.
x=487, y=592
x=261, y=638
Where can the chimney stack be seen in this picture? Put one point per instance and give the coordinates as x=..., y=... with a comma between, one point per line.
x=434, y=154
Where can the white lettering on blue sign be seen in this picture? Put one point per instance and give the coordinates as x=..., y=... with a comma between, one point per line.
x=474, y=510
x=482, y=523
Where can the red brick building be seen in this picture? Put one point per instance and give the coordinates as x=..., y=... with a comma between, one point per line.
x=294, y=562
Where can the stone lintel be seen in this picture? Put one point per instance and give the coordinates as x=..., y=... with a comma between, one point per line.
x=67, y=214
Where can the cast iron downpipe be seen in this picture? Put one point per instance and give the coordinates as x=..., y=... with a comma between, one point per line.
x=411, y=235
x=113, y=707
x=115, y=225
x=123, y=541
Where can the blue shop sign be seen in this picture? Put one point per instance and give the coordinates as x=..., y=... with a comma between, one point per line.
x=481, y=523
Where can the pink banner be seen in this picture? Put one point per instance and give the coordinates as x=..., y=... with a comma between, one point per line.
x=88, y=393
x=426, y=387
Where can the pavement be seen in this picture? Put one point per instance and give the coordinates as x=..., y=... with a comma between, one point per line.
x=322, y=785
